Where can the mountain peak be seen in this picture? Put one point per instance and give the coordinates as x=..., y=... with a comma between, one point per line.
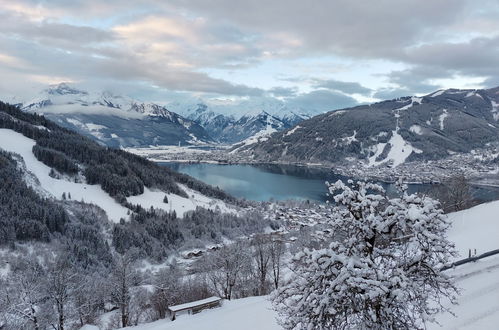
x=64, y=88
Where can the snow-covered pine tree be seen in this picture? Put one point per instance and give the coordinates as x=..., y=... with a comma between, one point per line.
x=383, y=271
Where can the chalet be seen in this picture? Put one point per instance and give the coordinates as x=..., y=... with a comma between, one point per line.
x=194, y=307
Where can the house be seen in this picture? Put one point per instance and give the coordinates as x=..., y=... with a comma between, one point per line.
x=194, y=307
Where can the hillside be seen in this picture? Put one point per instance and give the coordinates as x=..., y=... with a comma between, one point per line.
x=390, y=132
x=66, y=181
x=477, y=308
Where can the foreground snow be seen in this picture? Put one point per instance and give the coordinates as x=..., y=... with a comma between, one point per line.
x=478, y=304
x=242, y=314
x=19, y=144
x=476, y=228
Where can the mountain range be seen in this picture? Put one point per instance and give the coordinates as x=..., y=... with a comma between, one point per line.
x=115, y=120
x=390, y=132
x=121, y=121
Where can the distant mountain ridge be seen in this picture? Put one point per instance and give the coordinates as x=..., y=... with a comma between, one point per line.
x=390, y=132
x=235, y=123
x=120, y=121
x=116, y=120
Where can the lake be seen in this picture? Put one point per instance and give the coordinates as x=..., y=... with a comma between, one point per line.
x=281, y=182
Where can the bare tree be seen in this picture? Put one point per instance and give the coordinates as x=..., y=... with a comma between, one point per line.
x=89, y=296
x=60, y=286
x=454, y=194
x=261, y=255
x=224, y=267
x=24, y=293
x=123, y=278
x=166, y=290
x=277, y=249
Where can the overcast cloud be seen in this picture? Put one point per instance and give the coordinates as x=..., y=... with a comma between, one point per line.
x=345, y=52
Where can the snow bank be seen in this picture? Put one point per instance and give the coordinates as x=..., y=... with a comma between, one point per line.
x=241, y=314
x=416, y=129
x=19, y=144
x=291, y=131
x=495, y=110
x=476, y=228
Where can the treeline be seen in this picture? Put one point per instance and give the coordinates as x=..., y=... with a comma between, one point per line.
x=120, y=173
x=55, y=159
x=155, y=234
x=24, y=215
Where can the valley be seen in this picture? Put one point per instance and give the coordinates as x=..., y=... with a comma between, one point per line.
x=242, y=165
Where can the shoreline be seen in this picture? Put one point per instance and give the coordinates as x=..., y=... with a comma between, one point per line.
x=427, y=172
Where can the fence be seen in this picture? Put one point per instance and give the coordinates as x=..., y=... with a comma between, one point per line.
x=471, y=259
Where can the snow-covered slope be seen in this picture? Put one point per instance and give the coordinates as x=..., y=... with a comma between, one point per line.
x=154, y=198
x=242, y=314
x=477, y=308
x=390, y=132
x=476, y=228
x=17, y=143
x=478, y=304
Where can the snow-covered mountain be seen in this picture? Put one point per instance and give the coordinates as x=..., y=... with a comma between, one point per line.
x=233, y=122
x=115, y=120
x=391, y=132
x=118, y=120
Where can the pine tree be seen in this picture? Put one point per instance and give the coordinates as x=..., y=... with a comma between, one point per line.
x=385, y=272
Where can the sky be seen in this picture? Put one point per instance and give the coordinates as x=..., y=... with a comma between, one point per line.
x=324, y=54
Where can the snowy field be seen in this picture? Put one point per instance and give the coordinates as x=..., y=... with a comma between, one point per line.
x=19, y=144
x=478, y=307
x=177, y=203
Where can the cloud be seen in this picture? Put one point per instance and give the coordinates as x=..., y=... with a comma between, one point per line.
x=283, y=91
x=322, y=100
x=179, y=45
x=361, y=29
x=342, y=86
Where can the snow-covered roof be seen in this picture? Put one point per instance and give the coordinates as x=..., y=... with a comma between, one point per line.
x=194, y=304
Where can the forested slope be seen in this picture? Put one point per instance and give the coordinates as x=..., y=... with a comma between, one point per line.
x=27, y=214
